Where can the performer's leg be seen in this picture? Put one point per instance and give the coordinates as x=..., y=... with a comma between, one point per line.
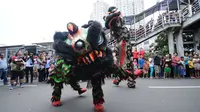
x=120, y=74
x=97, y=94
x=13, y=77
x=75, y=85
x=31, y=72
x=56, y=95
x=123, y=74
x=131, y=81
x=21, y=78
x=27, y=74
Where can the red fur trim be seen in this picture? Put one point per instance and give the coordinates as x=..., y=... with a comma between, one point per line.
x=99, y=101
x=56, y=103
x=123, y=53
x=111, y=22
x=99, y=107
x=114, y=81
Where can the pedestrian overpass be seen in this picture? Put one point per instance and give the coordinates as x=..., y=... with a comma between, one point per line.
x=172, y=19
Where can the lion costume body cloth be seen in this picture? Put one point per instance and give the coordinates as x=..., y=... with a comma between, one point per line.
x=83, y=56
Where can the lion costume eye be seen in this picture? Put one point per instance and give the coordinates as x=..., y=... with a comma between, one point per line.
x=79, y=45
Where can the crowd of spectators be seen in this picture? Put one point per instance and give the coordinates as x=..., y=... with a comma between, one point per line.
x=38, y=67
x=169, y=66
x=24, y=68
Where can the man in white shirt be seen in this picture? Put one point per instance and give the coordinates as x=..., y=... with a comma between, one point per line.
x=3, y=69
x=29, y=67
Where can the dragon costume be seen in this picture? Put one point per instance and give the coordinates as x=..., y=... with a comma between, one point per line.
x=83, y=55
x=120, y=33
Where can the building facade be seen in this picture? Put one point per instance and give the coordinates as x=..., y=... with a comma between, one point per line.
x=129, y=7
x=100, y=8
x=139, y=6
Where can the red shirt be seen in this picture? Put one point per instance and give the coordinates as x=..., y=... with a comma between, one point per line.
x=135, y=54
x=142, y=53
x=174, y=61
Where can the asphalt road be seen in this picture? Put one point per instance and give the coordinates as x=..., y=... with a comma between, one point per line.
x=145, y=98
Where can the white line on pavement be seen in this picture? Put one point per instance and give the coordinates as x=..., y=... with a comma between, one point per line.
x=174, y=87
x=30, y=85
x=24, y=85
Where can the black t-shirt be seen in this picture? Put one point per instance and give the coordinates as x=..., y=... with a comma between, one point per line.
x=156, y=60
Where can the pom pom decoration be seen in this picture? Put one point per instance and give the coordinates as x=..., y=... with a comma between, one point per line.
x=178, y=58
x=138, y=72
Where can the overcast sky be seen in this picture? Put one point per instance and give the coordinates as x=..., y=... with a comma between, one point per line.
x=29, y=21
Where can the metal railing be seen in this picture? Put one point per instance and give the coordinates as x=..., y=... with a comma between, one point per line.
x=163, y=20
x=195, y=7
x=184, y=13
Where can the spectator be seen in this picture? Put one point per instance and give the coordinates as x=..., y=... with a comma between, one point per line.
x=141, y=63
x=181, y=68
x=151, y=65
x=47, y=66
x=167, y=71
x=3, y=69
x=35, y=69
x=157, y=65
x=145, y=69
x=191, y=68
x=186, y=59
x=41, y=69
x=162, y=65
x=135, y=64
x=142, y=53
x=135, y=54
x=196, y=65
x=174, y=65
x=29, y=66
x=52, y=59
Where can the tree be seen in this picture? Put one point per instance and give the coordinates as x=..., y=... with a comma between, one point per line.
x=161, y=44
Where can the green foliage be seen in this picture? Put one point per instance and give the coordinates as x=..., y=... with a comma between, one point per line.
x=147, y=55
x=152, y=45
x=161, y=45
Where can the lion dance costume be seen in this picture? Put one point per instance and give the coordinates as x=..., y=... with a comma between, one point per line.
x=114, y=23
x=83, y=55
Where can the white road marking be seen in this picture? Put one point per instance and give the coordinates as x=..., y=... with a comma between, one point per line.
x=30, y=85
x=24, y=85
x=174, y=87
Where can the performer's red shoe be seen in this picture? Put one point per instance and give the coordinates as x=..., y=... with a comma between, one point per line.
x=138, y=72
x=99, y=107
x=116, y=82
x=82, y=90
x=56, y=103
